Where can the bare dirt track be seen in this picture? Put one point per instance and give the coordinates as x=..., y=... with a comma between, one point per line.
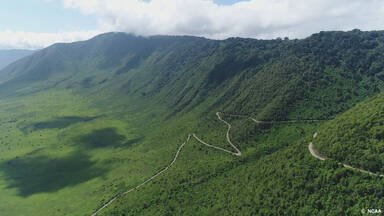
x=315, y=153
x=236, y=152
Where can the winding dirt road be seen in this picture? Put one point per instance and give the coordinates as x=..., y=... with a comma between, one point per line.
x=237, y=153
x=315, y=153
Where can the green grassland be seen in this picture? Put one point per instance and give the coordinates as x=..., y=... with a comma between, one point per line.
x=67, y=156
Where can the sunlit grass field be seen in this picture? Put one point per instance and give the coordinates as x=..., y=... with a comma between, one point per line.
x=61, y=155
x=64, y=154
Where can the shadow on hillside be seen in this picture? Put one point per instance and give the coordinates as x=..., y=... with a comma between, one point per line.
x=32, y=175
x=57, y=123
x=106, y=137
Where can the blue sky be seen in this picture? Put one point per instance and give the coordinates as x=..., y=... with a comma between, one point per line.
x=40, y=15
x=34, y=24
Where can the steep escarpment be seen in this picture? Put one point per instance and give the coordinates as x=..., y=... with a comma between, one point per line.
x=317, y=77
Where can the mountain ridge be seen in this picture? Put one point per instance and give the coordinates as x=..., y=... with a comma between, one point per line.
x=157, y=65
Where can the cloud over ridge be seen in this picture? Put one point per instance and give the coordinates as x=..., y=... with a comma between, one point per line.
x=35, y=40
x=264, y=19
x=252, y=18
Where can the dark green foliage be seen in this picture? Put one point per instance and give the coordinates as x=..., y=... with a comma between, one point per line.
x=317, y=77
x=357, y=136
x=279, y=178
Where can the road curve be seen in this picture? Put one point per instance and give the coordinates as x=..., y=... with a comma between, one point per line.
x=315, y=153
x=192, y=135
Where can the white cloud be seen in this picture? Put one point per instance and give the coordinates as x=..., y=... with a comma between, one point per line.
x=35, y=40
x=253, y=18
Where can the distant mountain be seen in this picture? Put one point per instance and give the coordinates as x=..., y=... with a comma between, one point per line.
x=9, y=56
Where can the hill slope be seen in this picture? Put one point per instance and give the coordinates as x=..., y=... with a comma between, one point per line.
x=357, y=136
x=317, y=77
x=277, y=178
x=82, y=122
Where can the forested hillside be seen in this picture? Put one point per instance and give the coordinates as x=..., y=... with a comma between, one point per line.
x=357, y=136
x=84, y=121
x=317, y=77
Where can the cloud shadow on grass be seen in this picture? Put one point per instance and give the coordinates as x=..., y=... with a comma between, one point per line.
x=106, y=137
x=32, y=175
x=57, y=123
